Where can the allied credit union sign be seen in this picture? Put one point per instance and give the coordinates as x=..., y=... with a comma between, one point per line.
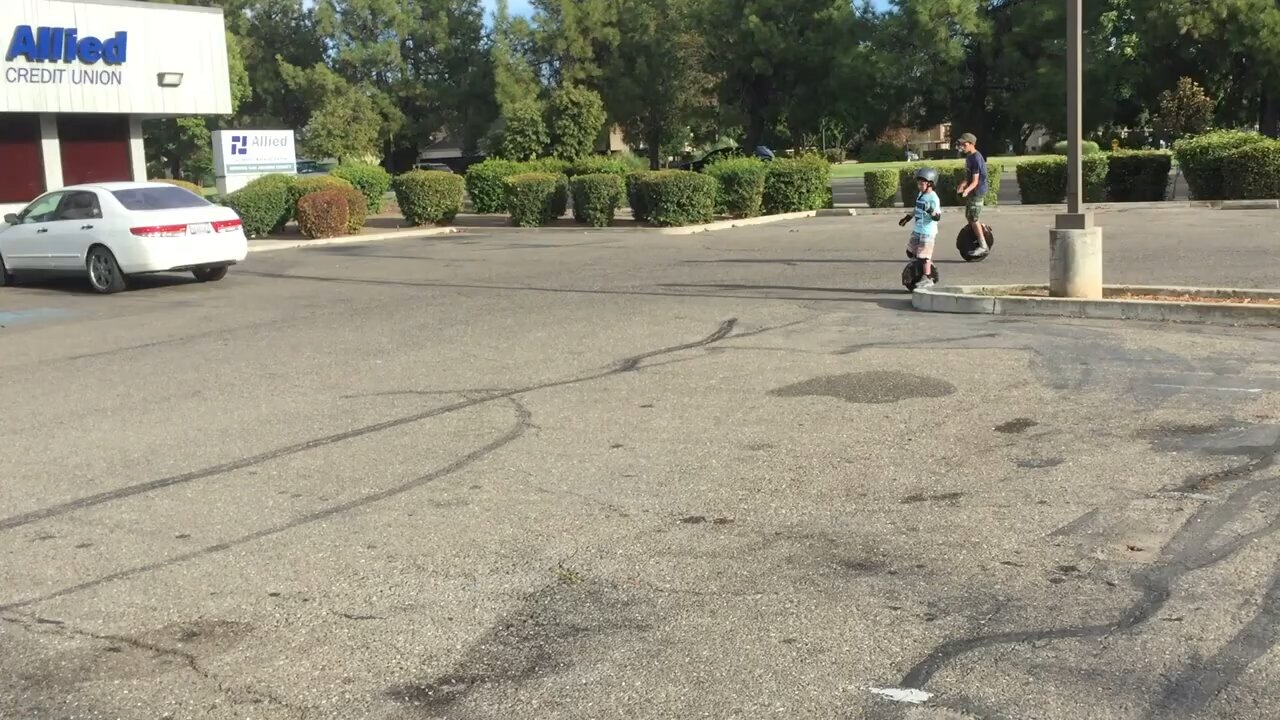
x=47, y=51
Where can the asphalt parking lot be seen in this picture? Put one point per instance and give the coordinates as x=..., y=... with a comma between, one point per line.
x=615, y=474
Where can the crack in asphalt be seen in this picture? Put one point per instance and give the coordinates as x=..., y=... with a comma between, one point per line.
x=253, y=696
x=627, y=364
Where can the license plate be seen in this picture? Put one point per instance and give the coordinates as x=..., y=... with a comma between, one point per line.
x=199, y=229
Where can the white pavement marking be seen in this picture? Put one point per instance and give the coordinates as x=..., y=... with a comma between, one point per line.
x=904, y=695
x=1207, y=387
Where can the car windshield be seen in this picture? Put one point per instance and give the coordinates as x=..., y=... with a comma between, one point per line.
x=158, y=198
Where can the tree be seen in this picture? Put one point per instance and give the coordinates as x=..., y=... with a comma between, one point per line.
x=576, y=118
x=524, y=133
x=769, y=53
x=1184, y=110
x=344, y=122
x=655, y=83
x=573, y=37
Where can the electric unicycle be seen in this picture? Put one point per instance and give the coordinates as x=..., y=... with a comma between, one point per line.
x=967, y=243
x=913, y=273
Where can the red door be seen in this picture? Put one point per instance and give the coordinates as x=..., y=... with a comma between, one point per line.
x=23, y=176
x=95, y=148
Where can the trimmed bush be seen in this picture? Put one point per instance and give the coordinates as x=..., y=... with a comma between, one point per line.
x=1253, y=172
x=1203, y=159
x=636, y=197
x=1138, y=176
x=265, y=205
x=1087, y=147
x=796, y=185
x=881, y=151
x=618, y=165
x=373, y=181
x=1044, y=182
x=536, y=198
x=486, y=186
x=740, y=186
x=429, y=197
x=307, y=185
x=882, y=188
x=553, y=166
x=323, y=214
x=188, y=186
x=950, y=175
x=596, y=197
x=678, y=197
x=357, y=209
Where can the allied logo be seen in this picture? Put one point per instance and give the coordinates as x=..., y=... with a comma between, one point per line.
x=56, y=44
x=239, y=145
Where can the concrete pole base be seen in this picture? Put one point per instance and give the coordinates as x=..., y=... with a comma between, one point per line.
x=1075, y=263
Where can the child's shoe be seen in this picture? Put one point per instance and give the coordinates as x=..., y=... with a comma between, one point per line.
x=925, y=282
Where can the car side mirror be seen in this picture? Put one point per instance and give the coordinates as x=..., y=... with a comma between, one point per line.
x=11, y=219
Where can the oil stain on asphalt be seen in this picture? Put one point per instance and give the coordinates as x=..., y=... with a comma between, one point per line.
x=868, y=387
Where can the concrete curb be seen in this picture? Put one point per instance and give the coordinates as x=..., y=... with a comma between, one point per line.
x=744, y=222
x=1251, y=205
x=985, y=300
x=409, y=234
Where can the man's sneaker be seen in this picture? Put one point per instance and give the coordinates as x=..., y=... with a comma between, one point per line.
x=979, y=251
x=925, y=282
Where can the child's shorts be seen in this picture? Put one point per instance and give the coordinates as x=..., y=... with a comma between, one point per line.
x=921, y=246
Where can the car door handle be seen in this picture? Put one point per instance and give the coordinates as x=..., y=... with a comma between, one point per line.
x=42, y=230
x=86, y=227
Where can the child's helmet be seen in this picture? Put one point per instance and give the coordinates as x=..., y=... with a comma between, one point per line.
x=929, y=175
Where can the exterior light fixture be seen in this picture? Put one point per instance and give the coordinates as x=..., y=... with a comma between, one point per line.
x=169, y=79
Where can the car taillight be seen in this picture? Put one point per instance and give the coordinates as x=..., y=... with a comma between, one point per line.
x=226, y=225
x=160, y=231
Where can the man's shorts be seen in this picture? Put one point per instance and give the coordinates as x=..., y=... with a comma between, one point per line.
x=973, y=207
x=921, y=246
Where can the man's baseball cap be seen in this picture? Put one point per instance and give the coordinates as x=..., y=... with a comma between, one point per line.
x=968, y=138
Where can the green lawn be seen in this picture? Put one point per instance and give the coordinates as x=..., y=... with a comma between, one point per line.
x=847, y=170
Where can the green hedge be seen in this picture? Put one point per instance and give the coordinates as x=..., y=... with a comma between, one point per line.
x=882, y=188
x=357, y=208
x=188, y=186
x=486, y=186
x=1254, y=172
x=796, y=185
x=677, y=197
x=373, y=181
x=536, y=198
x=740, y=186
x=635, y=195
x=1204, y=159
x=265, y=205
x=950, y=175
x=596, y=197
x=307, y=185
x=1138, y=176
x=619, y=165
x=429, y=197
x=1044, y=182
x=323, y=213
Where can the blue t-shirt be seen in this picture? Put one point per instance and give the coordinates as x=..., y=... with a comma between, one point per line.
x=975, y=164
x=927, y=203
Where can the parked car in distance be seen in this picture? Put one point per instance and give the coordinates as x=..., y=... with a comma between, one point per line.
x=761, y=152
x=310, y=167
x=425, y=165
x=110, y=231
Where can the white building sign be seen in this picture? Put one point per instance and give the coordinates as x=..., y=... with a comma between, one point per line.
x=107, y=56
x=239, y=156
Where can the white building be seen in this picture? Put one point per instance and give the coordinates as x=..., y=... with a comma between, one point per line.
x=77, y=78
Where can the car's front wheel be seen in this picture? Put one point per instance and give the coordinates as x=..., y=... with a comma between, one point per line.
x=104, y=272
x=210, y=274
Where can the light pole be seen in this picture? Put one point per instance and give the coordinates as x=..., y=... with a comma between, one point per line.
x=1075, y=243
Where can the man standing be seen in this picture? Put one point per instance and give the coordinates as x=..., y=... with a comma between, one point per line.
x=974, y=189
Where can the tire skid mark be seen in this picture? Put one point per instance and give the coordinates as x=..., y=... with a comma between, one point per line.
x=625, y=365
x=523, y=418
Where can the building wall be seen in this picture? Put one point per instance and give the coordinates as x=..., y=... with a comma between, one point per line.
x=158, y=39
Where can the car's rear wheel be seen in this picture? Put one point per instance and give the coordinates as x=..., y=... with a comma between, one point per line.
x=104, y=272
x=210, y=274
x=5, y=277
